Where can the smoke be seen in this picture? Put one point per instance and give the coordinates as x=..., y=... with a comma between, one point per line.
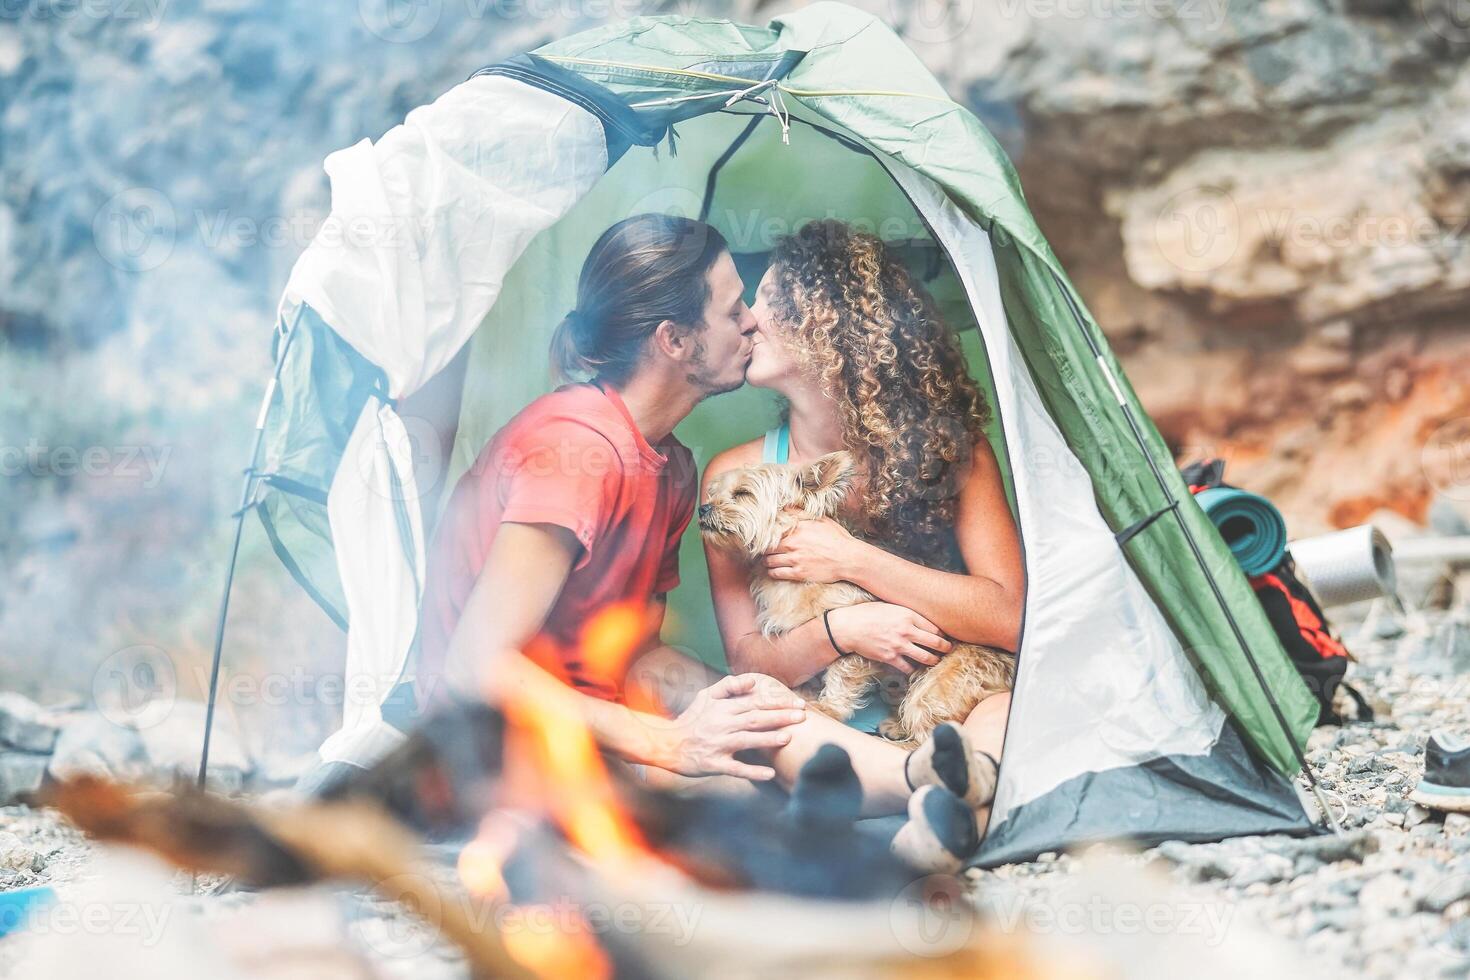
x=160, y=173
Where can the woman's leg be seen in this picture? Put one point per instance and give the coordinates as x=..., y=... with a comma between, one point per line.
x=985, y=731
x=877, y=761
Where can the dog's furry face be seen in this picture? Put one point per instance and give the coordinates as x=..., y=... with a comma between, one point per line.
x=752, y=508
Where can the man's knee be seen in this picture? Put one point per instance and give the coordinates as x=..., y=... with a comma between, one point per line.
x=665, y=681
x=772, y=693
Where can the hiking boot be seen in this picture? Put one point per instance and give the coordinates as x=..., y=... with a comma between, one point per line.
x=1445, y=784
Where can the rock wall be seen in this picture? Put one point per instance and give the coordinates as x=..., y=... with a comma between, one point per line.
x=1266, y=206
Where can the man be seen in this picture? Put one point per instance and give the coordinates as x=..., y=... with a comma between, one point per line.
x=578, y=504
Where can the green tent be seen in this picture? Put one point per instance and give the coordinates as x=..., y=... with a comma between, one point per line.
x=1152, y=700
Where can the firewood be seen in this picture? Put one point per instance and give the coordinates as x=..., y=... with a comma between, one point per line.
x=345, y=841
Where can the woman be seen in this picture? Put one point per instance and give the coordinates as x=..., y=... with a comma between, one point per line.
x=857, y=349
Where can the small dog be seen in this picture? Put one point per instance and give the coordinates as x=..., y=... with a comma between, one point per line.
x=751, y=509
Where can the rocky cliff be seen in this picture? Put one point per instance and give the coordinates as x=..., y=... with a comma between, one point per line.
x=1266, y=205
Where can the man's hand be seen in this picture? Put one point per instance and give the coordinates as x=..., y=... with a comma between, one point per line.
x=745, y=711
x=888, y=634
x=814, y=551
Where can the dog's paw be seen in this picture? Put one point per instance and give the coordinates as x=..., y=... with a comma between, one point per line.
x=920, y=731
x=893, y=730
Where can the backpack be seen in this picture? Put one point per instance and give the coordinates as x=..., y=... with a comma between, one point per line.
x=1294, y=613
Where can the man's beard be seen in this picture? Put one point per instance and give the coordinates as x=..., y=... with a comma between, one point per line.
x=704, y=379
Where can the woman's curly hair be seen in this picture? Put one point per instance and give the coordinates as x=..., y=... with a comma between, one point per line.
x=871, y=335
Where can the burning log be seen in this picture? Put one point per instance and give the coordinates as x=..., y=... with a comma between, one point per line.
x=311, y=843
x=191, y=829
x=769, y=892
x=453, y=770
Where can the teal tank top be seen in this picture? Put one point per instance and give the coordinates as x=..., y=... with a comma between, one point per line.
x=777, y=449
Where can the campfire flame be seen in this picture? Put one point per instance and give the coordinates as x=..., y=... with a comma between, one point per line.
x=553, y=766
x=549, y=747
x=612, y=637
x=556, y=753
x=481, y=862
x=556, y=953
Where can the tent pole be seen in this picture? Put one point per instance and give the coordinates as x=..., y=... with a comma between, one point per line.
x=1199, y=558
x=245, y=502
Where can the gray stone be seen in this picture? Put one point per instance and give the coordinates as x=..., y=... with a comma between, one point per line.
x=1456, y=824
x=276, y=770
x=1397, y=805
x=1445, y=517
x=21, y=773
x=24, y=724
x=18, y=855
x=1415, y=816
x=1266, y=868
x=1385, y=895
x=92, y=744
x=1438, y=892
x=1340, y=919
x=1352, y=846
x=1307, y=864
x=1388, y=627
x=1203, y=862
x=173, y=745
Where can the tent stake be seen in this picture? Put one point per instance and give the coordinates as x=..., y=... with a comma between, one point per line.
x=246, y=492
x=1327, y=814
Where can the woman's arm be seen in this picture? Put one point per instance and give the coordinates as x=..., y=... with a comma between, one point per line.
x=983, y=606
x=792, y=658
x=877, y=630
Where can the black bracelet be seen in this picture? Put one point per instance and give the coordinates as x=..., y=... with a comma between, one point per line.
x=830, y=638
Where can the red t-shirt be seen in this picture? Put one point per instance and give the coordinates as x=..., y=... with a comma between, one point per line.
x=575, y=459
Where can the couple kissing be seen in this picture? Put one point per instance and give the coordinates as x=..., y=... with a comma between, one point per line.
x=862, y=547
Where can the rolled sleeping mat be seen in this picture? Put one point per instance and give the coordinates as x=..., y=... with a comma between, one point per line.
x=1250, y=524
x=1347, y=566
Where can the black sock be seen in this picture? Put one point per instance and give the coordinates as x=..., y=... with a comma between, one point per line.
x=952, y=822
x=827, y=791
x=951, y=759
x=940, y=834
x=948, y=760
